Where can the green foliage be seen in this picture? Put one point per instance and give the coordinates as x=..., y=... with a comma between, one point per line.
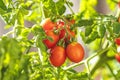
x=18, y=62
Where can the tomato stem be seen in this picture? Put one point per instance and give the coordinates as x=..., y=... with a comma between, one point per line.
x=69, y=7
x=86, y=60
x=74, y=65
x=41, y=7
x=88, y=69
x=8, y=33
x=111, y=71
x=40, y=55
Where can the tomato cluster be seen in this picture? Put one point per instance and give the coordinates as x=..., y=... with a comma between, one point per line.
x=60, y=32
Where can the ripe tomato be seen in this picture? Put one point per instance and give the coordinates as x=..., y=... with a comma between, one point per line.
x=117, y=41
x=54, y=37
x=75, y=52
x=117, y=56
x=47, y=24
x=58, y=56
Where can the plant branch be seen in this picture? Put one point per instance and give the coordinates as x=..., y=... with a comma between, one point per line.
x=41, y=7
x=111, y=71
x=74, y=65
x=86, y=60
x=40, y=55
x=88, y=69
x=69, y=7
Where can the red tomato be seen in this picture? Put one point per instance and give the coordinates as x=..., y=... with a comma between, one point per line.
x=75, y=52
x=72, y=21
x=58, y=56
x=54, y=37
x=47, y=24
x=117, y=56
x=117, y=41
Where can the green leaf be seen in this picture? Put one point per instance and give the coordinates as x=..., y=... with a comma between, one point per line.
x=2, y=5
x=20, y=18
x=60, y=7
x=86, y=22
x=92, y=37
x=76, y=76
x=116, y=27
x=88, y=30
x=40, y=44
x=101, y=30
x=82, y=34
x=118, y=74
x=70, y=3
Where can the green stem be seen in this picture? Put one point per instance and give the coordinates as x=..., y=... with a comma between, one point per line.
x=86, y=60
x=10, y=32
x=88, y=69
x=41, y=7
x=28, y=49
x=111, y=71
x=69, y=7
x=40, y=55
x=74, y=65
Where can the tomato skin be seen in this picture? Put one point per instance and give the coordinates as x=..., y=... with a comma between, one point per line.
x=49, y=43
x=75, y=52
x=117, y=56
x=58, y=56
x=117, y=41
x=47, y=24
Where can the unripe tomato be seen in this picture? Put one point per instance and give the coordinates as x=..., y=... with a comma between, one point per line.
x=57, y=56
x=117, y=41
x=117, y=56
x=54, y=37
x=75, y=52
x=47, y=24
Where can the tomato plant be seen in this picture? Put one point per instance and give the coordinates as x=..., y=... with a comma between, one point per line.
x=52, y=46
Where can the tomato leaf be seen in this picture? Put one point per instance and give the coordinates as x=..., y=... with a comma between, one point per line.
x=116, y=27
x=88, y=30
x=101, y=30
x=2, y=5
x=81, y=75
x=84, y=22
x=60, y=7
x=92, y=37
